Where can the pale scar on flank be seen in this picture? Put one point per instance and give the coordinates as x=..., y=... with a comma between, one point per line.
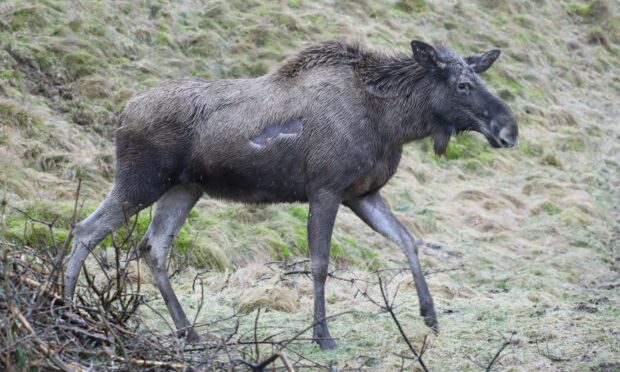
x=292, y=128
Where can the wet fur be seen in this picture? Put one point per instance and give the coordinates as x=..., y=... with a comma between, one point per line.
x=327, y=127
x=356, y=108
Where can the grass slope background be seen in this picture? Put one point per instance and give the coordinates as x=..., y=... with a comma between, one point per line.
x=534, y=231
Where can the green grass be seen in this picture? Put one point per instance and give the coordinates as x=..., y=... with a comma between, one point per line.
x=469, y=146
x=589, y=9
x=12, y=114
x=415, y=6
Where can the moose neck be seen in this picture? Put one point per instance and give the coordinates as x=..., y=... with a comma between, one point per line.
x=410, y=118
x=404, y=90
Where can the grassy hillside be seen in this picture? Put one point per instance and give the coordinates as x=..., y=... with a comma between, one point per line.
x=534, y=232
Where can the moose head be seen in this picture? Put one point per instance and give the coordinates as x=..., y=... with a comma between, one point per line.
x=459, y=99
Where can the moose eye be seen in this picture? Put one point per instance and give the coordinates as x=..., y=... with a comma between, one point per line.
x=463, y=87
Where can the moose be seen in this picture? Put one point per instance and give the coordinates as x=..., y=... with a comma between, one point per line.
x=326, y=127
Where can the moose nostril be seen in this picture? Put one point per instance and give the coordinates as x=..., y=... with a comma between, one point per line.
x=506, y=139
x=507, y=142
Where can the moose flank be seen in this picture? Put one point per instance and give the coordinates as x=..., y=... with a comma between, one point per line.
x=326, y=127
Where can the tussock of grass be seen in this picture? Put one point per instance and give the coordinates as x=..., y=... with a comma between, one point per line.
x=596, y=9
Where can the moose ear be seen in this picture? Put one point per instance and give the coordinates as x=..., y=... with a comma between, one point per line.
x=425, y=54
x=481, y=62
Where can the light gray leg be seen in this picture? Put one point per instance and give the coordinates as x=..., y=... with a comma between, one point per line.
x=323, y=209
x=108, y=217
x=170, y=214
x=373, y=210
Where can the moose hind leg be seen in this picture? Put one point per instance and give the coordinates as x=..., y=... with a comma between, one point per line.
x=113, y=212
x=373, y=210
x=323, y=210
x=170, y=214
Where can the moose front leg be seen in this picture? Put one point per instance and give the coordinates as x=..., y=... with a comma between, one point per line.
x=323, y=209
x=373, y=210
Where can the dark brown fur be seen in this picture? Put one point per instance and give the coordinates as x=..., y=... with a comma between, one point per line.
x=326, y=127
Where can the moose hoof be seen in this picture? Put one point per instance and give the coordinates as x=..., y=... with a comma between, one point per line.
x=430, y=319
x=191, y=337
x=321, y=336
x=326, y=343
x=433, y=324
